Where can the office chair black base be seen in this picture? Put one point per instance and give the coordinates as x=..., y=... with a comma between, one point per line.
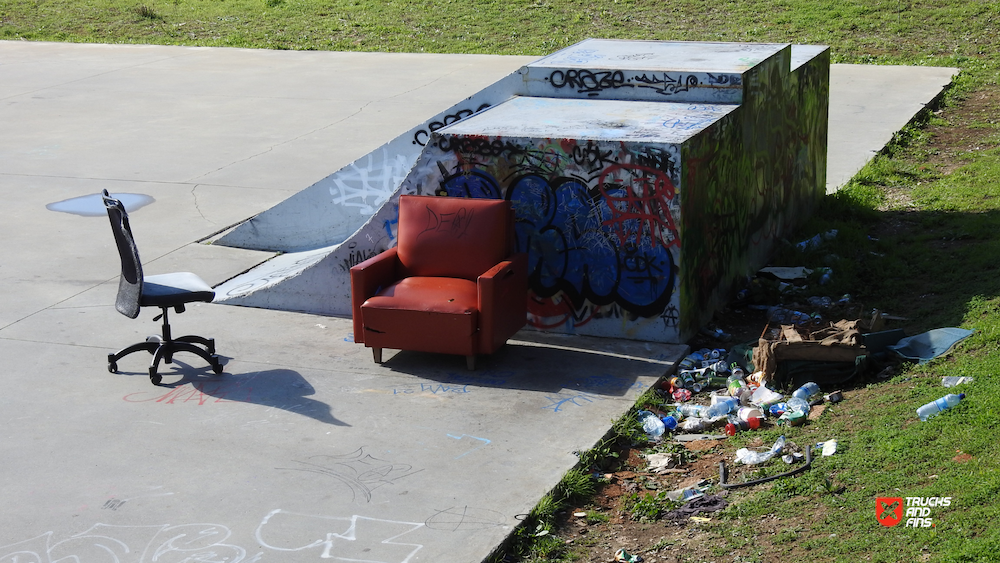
x=163, y=349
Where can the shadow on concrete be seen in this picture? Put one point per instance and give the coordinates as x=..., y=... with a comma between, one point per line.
x=579, y=365
x=282, y=389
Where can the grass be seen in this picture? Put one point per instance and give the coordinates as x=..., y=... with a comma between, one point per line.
x=918, y=232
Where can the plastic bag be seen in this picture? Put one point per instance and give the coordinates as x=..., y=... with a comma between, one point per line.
x=748, y=457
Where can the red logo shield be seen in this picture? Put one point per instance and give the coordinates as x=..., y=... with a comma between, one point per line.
x=889, y=511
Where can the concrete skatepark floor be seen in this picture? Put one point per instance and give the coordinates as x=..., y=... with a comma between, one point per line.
x=303, y=449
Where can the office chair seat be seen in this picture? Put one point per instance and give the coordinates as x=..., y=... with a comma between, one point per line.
x=170, y=290
x=166, y=291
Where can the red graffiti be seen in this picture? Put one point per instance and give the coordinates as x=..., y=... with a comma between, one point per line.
x=199, y=393
x=548, y=313
x=639, y=199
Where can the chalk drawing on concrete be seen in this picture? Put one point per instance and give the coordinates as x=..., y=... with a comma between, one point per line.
x=484, y=441
x=458, y=518
x=559, y=403
x=141, y=544
x=355, y=538
x=361, y=472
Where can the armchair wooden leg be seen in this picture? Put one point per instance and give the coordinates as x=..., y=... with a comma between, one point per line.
x=377, y=355
x=470, y=362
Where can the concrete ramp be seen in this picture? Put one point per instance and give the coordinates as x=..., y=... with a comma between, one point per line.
x=752, y=116
x=330, y=226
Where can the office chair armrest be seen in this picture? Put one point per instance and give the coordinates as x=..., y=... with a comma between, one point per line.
x=367, y=278
x=503, y=302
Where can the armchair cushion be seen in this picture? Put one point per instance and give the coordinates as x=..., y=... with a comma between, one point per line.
x=448, y=237
x=439, y=315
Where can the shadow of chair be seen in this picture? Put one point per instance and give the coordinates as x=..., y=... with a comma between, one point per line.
x=166, y=291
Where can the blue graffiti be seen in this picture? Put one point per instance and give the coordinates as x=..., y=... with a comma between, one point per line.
x=432, y=389
x=592, y=244
x=558, y=403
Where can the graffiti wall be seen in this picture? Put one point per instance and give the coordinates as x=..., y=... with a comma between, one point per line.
x=641, y=218
x=597, y=191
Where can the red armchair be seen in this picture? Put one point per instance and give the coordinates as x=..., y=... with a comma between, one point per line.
x=451, y=285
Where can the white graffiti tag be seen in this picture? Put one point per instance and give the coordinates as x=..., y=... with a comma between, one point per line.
x=368, y=185
x=139, y=544
x=368, y=540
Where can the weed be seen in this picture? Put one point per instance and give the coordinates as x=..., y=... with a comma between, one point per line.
x=594, y=517
x=575, y=487
x=645, y=507
x=660, y=545
x=602, y=458
x=146, y=12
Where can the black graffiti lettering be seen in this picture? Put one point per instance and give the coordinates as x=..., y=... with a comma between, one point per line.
x=356, y=257
x=668, y=84
x=588, y=81
x=724, y=79
x=591, y=157
x=473, y=145
x=422, y=135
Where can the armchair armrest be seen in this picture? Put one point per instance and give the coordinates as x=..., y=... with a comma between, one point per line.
x=367, y=278
x=503, y=302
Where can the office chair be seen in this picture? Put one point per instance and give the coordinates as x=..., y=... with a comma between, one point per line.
x=164, y=291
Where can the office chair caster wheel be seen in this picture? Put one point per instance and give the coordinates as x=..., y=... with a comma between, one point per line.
x=112, y=364
x=216, y=365
x=154, y=377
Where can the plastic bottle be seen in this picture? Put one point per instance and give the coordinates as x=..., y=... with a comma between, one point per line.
x=743, y=396
x=735, y=385
x=765, y=397
x=695, y=425
x=777, y=409
x=806, y=391
x=691, y=411
x=651, y=424
x=725, y=406
x=735, y=425
x=825, y=274
x=719, y=367
x=817, y=240
x=796, y=404
x=934, y=407
x=951, y=381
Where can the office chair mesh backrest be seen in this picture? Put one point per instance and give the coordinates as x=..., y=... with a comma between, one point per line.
x=130, y=283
